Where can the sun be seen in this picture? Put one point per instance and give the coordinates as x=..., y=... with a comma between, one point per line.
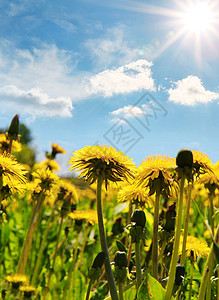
x=198, y=17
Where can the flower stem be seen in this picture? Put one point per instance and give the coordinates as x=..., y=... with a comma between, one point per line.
x=138, y=264
x=185, y=234
x=155, y=237
x=54, y=259
x=190, y=282
x=120, y=291
x=88, y=290
x=176, y=242
x=42, y=247
x=109, y=274
x=211, y=198
x=29, y=235
x=208, y=266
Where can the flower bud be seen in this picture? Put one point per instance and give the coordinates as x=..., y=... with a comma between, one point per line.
x=138, y=217
x=184, y=158
x=13, y=130
x=99, y=260
x=120, y=259
x=180, y=272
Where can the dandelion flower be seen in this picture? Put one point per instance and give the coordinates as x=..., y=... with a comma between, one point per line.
x=48, y=164
x=45, y=179
x=5, y=144
x=102, y=162
x=195, y=247
x=154, y=172
x=28, y=290
x=16, y=279
x=201, y=162
x=12, y=174
x=89, y=215
x=135, y=194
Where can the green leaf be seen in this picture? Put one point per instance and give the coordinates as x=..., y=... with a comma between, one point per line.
x=151, y=289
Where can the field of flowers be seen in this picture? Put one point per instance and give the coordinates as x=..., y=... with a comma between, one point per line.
x=117, y=231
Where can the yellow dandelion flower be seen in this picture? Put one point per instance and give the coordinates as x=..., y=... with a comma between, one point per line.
x=57, y=149
x=28, y=290
x=88, y=215
x=4, y=144
x=12, y=174
x=68, y=190
x=48, y=164
x=135, y=194
x=45, y=179
x=210, y=179
x=155, y=168
x=201, y=162
x=196, y=246
x=16, y=279
x=102, y=162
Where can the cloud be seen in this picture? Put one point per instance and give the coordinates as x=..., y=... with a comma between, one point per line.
x=33, y=103
x=190, y=91
x=128, y=112
x=125, y=79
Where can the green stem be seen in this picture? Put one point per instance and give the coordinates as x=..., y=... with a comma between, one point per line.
x=71, y=268
x=128, y=221
x=79, y=258
x=29, y=235
x=155, y=237
x=120, y=291
x=211, y=198
x=54, y=258
x=208, y=266
x=176, y=242
x=186, y=226
x=190, y=282
x=42, y=247
x=109, y=274
x=88, y=290
x=138, y=264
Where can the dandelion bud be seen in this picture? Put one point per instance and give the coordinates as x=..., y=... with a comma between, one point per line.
x=13, y=129
x=117, y=227
x=120, y=259
x=95, y=270
x=138, y=217
x=184, y=158
x=99, y=260
x=180, y=272
x=170, y=218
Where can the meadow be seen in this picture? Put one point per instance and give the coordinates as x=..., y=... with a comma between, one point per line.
x=117, y=231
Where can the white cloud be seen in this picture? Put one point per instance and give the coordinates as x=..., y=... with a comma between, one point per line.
x=125, y=79
x=127, y=112
x=112, y=48
x=190, y=91
x=33, y=103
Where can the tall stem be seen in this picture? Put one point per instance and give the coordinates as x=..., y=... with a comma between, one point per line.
x=120, y=291
x=211, y=198
x=186, y=226
x=138, y=264
x=155, y=237
x=109, y=274
x=42, y=247
x=29, y=235
x=208, y=267
x=176, y=242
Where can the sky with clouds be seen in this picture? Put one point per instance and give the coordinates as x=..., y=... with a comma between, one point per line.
x=139, y=77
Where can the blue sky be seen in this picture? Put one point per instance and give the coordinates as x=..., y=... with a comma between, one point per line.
x=140, y=77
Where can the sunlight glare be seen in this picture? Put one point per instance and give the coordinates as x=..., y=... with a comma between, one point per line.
x=198, y=17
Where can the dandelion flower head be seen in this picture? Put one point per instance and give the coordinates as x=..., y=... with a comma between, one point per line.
x=102, y=162
x=88, y=215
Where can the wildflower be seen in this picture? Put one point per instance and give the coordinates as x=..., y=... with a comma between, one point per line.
x=12, y=174
x=201, y=162
x=135, y=194
x=55, y=150
x=16, y=279
x=89, y=215
x=155, y=173
x=5, y=144
x=28, y=290
x=68, y=194
x=48, y=164
x=102, y=162
x=194, y=247
x=45, y=179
